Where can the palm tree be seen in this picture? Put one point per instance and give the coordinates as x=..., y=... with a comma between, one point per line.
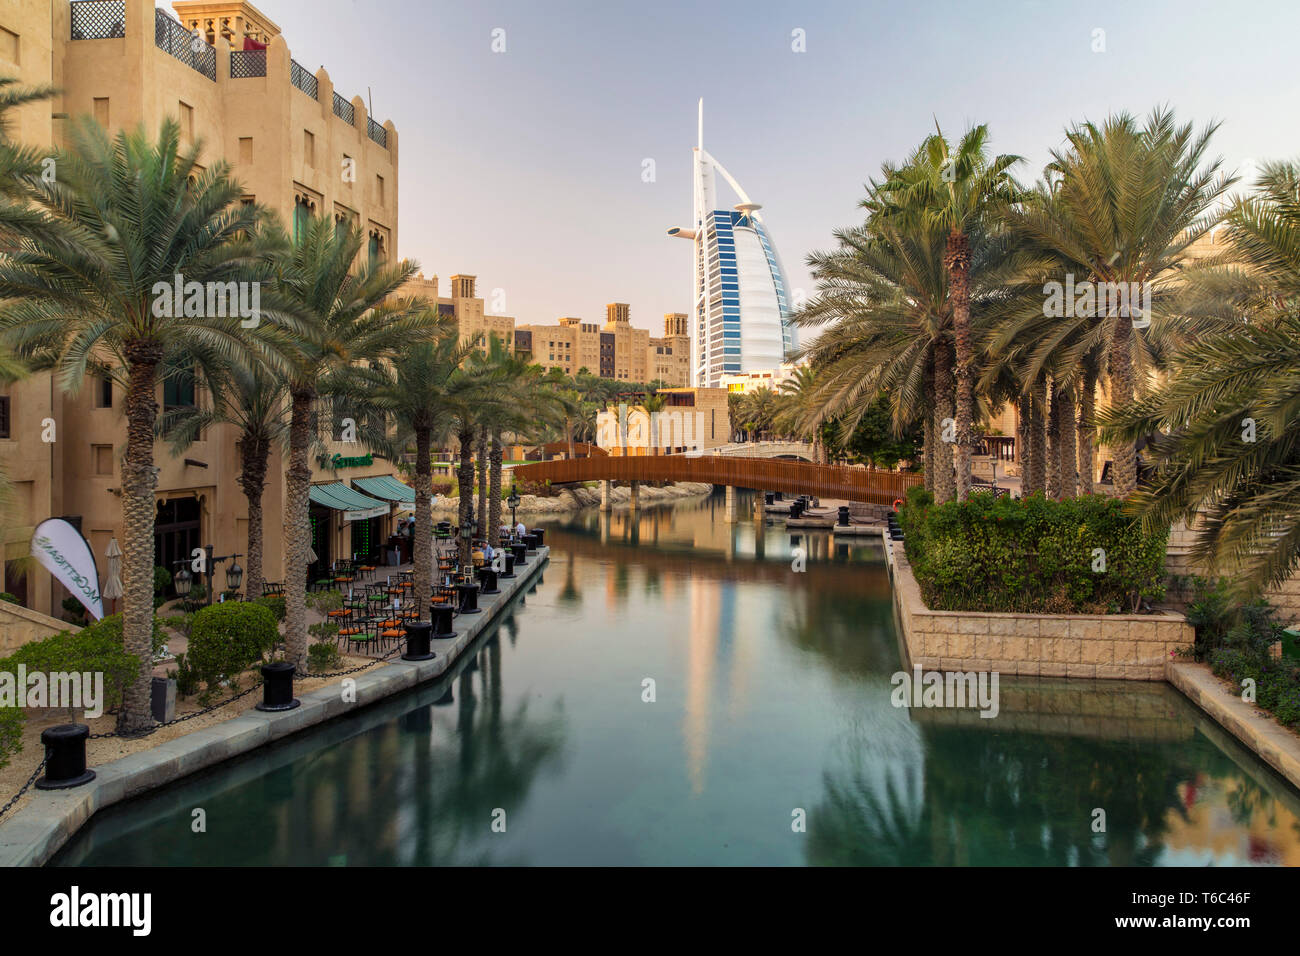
x=416, y=394
x=135, y=214
x=1227, y=445
x=1122, y=205
x=252, y=400
x=960, y=191
x=654, y=404
x=337, y=296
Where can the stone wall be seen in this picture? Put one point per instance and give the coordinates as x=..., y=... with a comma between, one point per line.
x=1109, y=646
x=20, y=625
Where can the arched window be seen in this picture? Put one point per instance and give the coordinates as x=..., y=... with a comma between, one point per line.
x=303, y=210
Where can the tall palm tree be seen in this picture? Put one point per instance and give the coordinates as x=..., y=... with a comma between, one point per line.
x=343, y=320
x=1122, y=205
x=415, y=392
x=1227, y=415
x=653, y=405
x=960, y=191
x=135, y=213
x=254, y=401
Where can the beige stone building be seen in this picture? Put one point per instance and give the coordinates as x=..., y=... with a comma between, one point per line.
x=297, y=146
x=692, y=419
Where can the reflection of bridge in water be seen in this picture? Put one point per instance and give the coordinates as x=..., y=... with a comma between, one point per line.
x=761, y=474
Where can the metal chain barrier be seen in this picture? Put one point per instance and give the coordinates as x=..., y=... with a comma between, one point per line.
x=134, y=735
x=27, y=786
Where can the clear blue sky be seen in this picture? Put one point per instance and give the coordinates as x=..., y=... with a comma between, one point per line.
x=524, y=167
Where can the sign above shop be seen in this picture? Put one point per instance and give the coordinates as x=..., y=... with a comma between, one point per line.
x=362, y=461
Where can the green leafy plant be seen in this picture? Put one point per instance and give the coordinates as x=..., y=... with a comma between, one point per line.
x=323, y=657
x=11, y=733
x=274, y=603
x=186, y=677
x=228, y=638
x=1081, y=555
x=162, y=580
x=96, y=648
x=12, y=599
x=325, y=601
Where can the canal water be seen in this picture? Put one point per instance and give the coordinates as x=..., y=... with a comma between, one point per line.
x=674, y=692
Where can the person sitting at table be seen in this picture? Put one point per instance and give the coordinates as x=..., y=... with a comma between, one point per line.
x=477, y=554
x=520, y=530
x=488, y=552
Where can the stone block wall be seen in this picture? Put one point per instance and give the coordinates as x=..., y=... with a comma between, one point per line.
x=1109, y=646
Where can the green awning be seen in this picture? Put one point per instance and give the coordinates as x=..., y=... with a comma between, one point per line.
x=354, y=505
x=386, y=487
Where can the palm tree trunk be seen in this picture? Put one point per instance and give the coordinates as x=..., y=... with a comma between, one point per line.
x=1087, y=430
x=480, y=459
x=928, y=451
x=957, y=261
x=1067, y=432
x=1054, y=443
x=1124, y=470
x=1038, y=438
x=297, y=487
x=138, y=514
x=494, y=492
x=1024, y=429
x=465, y=482
x=254, y=453
x=422, y=545
x=944, y=483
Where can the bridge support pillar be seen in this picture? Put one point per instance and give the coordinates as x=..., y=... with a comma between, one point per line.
x=731, y=504
x=607, y=495
x=636, y=495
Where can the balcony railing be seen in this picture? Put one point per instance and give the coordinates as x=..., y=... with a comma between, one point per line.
x=377, y=132
x=170, y=37
x=247, y=63
x=344, y=110
x=305, y=81
x=98, y=19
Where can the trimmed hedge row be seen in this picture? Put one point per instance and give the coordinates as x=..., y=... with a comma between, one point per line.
x=1031, y=555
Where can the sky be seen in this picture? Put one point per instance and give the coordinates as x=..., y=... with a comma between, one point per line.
x=527, y=167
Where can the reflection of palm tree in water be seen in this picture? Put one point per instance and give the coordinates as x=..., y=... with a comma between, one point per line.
x=570, y=594
x=1006, y=798
x=497, y=756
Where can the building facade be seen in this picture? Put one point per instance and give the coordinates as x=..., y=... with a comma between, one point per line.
x=296, y=146
x=742, y=311
x=692, y=420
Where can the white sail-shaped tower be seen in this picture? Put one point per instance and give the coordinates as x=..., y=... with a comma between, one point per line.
x=741, y=311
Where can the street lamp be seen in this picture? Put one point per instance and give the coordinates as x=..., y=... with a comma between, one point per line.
x=513, y=502
x=183, y=582
x=234, y=576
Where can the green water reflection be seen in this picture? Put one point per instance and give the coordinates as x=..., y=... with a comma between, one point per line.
x=772, y=702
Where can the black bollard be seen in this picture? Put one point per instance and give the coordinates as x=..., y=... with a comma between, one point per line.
x=65, y=757
x=468, y=592
x=509, y=557
x=780, y=495
x=521, y=554
x=844, y=516
x=541, y=536
x=769, y=497
x=277, y=687
x=488, y=579
x=530, y=541
x=417, y=641
x=442, y=614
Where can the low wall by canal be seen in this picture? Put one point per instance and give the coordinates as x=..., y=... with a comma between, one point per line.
x=1110, y=646
x=34, y=833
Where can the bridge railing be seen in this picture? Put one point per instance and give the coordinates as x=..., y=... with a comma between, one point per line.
x=760, y=474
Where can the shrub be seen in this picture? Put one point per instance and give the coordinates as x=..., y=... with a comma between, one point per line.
x=325, y=601
x=274, y=603
x=11, y=598
x=187, y=678
x=323, y=657
x=95, y=648
x=1031, y=555
x=162, y=579
x=227, y=638
x=11, y=733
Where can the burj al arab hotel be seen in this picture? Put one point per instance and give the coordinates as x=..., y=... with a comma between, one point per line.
x=741, y=315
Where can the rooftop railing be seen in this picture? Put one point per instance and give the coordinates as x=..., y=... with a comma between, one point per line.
x=377, y=132
x=98, y=19
x=344, y=110
x=247, y=63
x=304, y=80
x=191, y=49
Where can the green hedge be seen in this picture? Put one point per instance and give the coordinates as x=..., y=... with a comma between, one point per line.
x=1031, y=555
x=227, y=638
x=95, y=648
